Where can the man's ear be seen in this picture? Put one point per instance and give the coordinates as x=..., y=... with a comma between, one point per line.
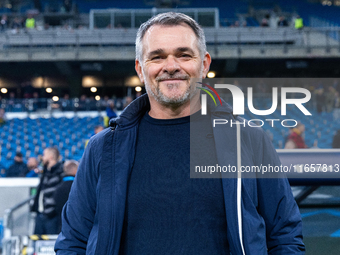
x=138, y=68
x=206, y=64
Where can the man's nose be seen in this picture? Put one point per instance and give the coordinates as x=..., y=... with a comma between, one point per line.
x=171, y=65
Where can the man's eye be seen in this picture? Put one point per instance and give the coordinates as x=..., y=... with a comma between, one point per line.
x=185, y=56
x=156, y=57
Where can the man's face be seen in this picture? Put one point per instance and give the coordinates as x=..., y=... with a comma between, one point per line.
x=18, y=159
x=171, y=60
x=47, y=156
x=32, y=163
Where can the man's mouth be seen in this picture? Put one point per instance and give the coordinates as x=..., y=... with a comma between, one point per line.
x=172, y=80
x=175, y=78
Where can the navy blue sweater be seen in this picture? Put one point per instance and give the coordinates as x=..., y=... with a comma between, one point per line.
x=166, y=211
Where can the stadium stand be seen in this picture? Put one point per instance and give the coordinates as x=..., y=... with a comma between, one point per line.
x=32, y=136
x=320, y=129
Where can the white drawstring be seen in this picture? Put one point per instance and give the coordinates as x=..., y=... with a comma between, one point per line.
x=239, y=184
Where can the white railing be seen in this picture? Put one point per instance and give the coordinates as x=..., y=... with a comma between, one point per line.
x=124, y=37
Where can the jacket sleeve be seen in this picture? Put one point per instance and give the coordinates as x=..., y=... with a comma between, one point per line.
x=277, y=206
x=79, y=211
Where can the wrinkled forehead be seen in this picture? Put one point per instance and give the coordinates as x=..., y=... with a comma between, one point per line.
x=174, y=36
x=160, y=26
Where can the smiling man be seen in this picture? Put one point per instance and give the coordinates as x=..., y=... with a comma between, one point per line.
x=169, y=63
x=133, y=193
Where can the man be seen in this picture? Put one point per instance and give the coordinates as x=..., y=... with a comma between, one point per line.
x=44, y=204
x=3, y=23
x=18, y=166
x=30, y=22
x=133, y=193
x=2, y=117
x=2, y=170
x=336, y=140
x=110, y=109
x=32, y=168
x=63, y=190
x=298, y=23
x=32, y=165
x=282, y=22
x=295, y=139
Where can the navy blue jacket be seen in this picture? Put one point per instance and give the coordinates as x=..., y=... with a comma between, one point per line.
x=93, y=216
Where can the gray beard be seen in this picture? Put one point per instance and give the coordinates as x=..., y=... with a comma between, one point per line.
x=164, y=100
x=173, y=102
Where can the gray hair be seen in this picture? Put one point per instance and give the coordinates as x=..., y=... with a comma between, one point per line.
x=170, y=19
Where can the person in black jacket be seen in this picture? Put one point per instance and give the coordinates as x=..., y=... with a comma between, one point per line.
x=18, y=166
x=282, y=22
x=44, y=204
x=63, y=190
x=336, y=140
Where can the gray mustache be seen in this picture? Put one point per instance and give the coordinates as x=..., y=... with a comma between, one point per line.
x=176, y=76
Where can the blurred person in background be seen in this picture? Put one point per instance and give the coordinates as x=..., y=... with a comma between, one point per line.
x=2, y=117
x=32, y=168
x=66, y=103
x=110, y=109
x=44, y=204
x=3, y=23
x=282, y=22
x=63, y=190
x=16, y=25
x=83, y=101
x=336, y=140
x=30, y=22
x=320, y=99
x=236, y=24
x=97, y=129
x=127, y=101
x=264, y=23
x=295, y=140
x=110, y=112
x=18, y=167
x=27, y=89
x=138, y=94
x=2, y=170
x=12, y=101
x=67, y=5
x=298, y=23
x=330, y=97
x=36, y=101
x=103, y=103
x=336, y=111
